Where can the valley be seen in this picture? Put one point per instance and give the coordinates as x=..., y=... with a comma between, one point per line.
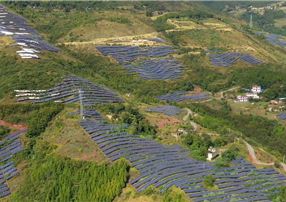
x=139, y=101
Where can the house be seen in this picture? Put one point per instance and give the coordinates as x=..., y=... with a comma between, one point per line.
x=256, y=89
x=253, y=95
x=182, y=131
x=274, y=102
x=241, y=98
x=212, y=153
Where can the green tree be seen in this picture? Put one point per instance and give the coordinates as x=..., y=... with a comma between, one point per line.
x=209, y=180
x=230, y=154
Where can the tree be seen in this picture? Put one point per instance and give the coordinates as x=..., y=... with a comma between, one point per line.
x=189, y=139
x=219, y=142
x=276, y=164
x=209, y=180
x=230, y=154
x=149, y=13
x=221, y=164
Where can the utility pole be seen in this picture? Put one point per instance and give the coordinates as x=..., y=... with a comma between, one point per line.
x=250, y=22
x=81, y=106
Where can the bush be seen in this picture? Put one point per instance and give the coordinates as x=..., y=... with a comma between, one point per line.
x=230, y=154
x=276, y=164
x=209, y=181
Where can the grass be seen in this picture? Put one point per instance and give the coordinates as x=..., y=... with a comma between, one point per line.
x=256, y=109
x=72, y=140
x=102, y=28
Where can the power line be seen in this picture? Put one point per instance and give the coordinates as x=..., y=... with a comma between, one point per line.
x=250, y=22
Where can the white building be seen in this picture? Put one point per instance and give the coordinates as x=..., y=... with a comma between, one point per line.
x=212, y=153
x=241, y=98
x=253, y=95
x=256, y=89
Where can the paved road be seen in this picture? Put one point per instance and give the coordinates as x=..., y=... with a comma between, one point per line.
x=186, y=118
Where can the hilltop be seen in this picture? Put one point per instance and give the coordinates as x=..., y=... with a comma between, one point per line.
x=158, y=79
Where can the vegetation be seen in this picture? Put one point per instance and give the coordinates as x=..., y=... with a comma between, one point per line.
x=263, y=131
x=49, y=177
x=209, y=180
x=62, y=179
x=232, y=5
x=267, y=20
x=39, y=119
x=4, y=131
x=129, y=115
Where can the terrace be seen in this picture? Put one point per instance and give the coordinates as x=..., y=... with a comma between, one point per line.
x=160, y=69
x=167, y=110
x=177, y=97
x=68, y=92
x=226, y=60
x=9, y=147
x=273, y=39
x=163, y=166
x=13, y=24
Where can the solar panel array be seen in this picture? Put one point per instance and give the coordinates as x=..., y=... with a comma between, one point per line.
x=158, y=40
x=127, y=54
x=69, y=92
x=282, y=116
x=273, y=39
x=177, y=97
x=157, y=69
x=166, y=109
x=226, y=60
x=8, y=148
x=163, y=166
x=91, y=113
x=12, y=24
x=276, y=40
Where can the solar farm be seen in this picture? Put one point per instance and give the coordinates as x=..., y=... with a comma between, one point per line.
x=25, y=36
x=157, y=40
x=178, y=97
x=282, y=116
x=8, y=148
x=164, y=166
x=153, y=69
x=71, y=90
x=226, y=60
x=157, y=69
x=167, y=110
x=273, y=39
x=127, y=54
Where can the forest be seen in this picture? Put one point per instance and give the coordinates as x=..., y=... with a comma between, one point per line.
x=63, y=179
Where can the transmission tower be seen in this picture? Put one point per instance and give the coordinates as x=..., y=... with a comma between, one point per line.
x=250, y=22
x=81, y=106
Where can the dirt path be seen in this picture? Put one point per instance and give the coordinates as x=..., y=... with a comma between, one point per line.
x=254, y=158
x=221, y=93
x=186, y=118
x=20, y=127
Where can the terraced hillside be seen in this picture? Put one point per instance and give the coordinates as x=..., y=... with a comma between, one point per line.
x=103, y=66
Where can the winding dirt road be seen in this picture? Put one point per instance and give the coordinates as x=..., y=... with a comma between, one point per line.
x=252, y=153
x=186, y=118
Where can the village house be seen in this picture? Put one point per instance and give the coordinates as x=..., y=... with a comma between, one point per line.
x=256, y=89
x=253, y=95
x=212, y=153
x=274, y=102
x=241, y=98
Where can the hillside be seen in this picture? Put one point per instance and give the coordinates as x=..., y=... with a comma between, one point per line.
x=157, y=84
